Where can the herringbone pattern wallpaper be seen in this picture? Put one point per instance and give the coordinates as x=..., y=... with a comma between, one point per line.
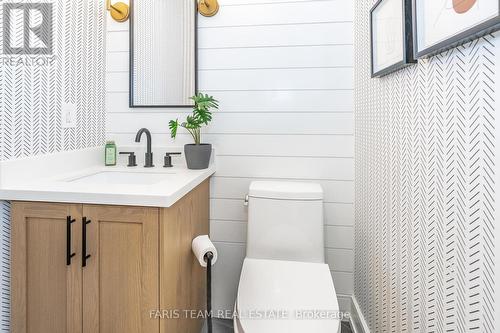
x=31, y=99
x=425, y=189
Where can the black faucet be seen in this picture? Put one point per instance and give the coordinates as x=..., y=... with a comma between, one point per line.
x=149, y=154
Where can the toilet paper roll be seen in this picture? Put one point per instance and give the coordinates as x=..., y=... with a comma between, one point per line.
x=202, y=245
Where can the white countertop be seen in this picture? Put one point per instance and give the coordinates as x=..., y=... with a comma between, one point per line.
x=54, y=178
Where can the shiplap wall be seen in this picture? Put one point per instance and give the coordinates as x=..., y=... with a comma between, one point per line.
x=283, y=72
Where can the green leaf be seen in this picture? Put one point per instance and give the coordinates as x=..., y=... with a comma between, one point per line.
x=173, y=125
x=201, y=116
x=191, y=122
x=205, y=102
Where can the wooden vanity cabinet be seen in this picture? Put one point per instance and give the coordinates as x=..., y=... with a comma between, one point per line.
x=139, y=260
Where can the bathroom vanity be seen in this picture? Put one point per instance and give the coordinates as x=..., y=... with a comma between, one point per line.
x=85, y=258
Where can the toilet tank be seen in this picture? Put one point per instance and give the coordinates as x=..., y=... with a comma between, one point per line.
x=285, y=221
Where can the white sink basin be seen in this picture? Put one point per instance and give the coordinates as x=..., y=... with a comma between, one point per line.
x=78, y=176
x=123, y=178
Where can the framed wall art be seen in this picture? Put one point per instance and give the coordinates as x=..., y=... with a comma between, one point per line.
x=442, y=24
x=391, y=36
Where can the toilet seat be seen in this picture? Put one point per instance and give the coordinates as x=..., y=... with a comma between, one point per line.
x=285, y=296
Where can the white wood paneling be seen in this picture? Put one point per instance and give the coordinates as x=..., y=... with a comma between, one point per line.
x=276, y=57
x=320, y=56
x=257, y=36
x=339, y=214
x=260, y=101
x=117, y=41
x=228, y=231
x=340, y=260
x=227, y=209
x=227, y=3
x=117, y=62
x=251, y=79
x=339, y=237
x=283, y=73
x=262, y=144
x=226, y=275
x=278, y=35
x=283, y=145
x=276, y=13
x=285, y=167
x=277, y=79
x=344, y=282
x=240, y=123
x=117, y=82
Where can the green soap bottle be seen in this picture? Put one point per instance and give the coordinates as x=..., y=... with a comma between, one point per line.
x=110, y=153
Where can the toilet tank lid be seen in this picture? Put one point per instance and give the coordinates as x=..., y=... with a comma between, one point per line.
x=286, y=190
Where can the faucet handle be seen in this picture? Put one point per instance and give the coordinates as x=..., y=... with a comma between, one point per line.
x=168, y=159
x=131, y=158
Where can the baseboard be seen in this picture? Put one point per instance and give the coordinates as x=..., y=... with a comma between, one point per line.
x=358, y=322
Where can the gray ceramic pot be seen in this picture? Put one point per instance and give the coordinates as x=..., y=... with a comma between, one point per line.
x=198, y=156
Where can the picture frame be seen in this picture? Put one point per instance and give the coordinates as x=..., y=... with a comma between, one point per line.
x=440, y=25
x=391, y=36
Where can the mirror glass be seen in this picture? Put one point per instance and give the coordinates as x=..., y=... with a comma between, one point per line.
x=162, y=53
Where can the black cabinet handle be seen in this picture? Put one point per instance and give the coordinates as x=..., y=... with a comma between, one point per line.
x=85, y=256
x=69, y=255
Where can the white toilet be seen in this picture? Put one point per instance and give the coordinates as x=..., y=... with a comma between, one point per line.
x=285, y=285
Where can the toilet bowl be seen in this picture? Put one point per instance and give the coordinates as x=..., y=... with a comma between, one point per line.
x=285, y=285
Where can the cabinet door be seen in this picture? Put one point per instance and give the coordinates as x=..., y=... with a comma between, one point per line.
x=46, y=291
x=120, y=279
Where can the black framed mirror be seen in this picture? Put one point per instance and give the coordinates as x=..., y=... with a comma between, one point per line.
x=163, y=53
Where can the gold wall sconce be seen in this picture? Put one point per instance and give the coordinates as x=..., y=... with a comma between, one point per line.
x=119, y=10
x=208, y=7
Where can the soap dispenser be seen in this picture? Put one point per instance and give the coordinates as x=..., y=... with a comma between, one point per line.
x=110, y=153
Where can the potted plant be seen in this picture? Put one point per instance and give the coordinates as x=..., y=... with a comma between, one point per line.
x=197, y=153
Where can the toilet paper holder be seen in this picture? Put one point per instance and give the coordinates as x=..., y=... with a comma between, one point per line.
x=206, y=254
x=208, y=257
